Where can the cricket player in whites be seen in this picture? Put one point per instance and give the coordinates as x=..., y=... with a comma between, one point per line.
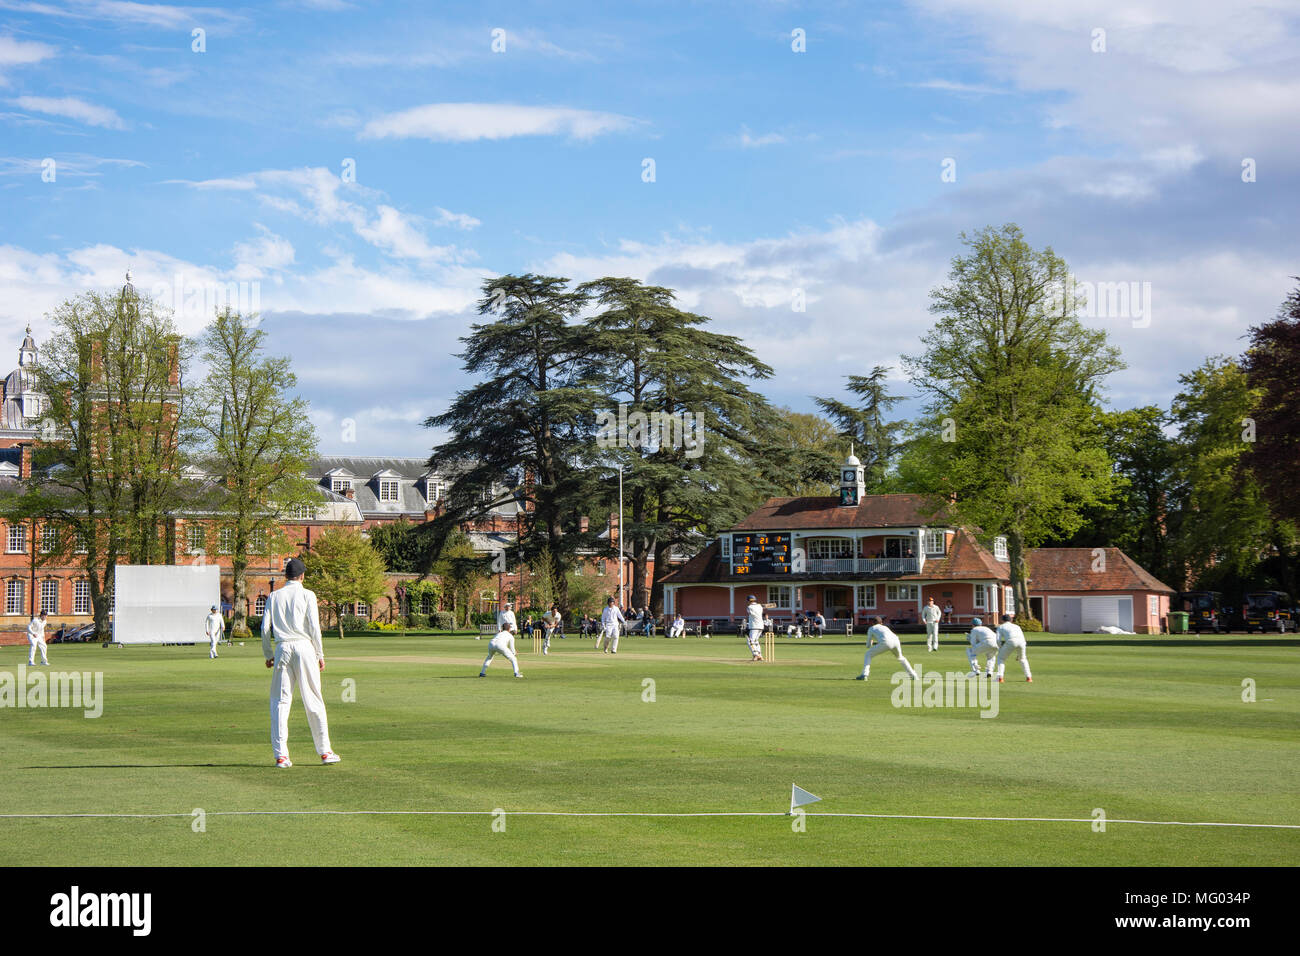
x=885, y=640
x=214, y=626
x=931, y=615
x=754, y=628
x=292, y=620
x=983, y=643
x=551, y=620
x=611, y=622
x=503, y=644
x=506, y=619
x=36, y=638
x=1013, y=640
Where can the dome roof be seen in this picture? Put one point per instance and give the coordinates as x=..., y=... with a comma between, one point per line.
x=852, y=462
x=18, y=381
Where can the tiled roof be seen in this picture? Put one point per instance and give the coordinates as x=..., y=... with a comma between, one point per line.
x=875, y=511
x=1072, y=569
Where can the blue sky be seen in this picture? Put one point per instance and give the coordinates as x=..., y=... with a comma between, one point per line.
x=775, y=170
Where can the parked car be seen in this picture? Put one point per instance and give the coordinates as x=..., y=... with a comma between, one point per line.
x=1268, y=611
x=74, y=635
x=1204, y=611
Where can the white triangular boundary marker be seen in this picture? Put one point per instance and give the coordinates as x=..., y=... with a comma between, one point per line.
x=799, y=797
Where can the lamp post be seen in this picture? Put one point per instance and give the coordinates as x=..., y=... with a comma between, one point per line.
x=621, y=605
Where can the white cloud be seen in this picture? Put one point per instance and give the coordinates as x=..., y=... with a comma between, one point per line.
x=161, y=15
x=458, y=219
x=22, y=52
x=748, y=140
x=466, y=122
x=72, y=108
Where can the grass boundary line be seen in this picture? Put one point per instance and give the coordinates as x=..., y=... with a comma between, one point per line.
x=639, y=813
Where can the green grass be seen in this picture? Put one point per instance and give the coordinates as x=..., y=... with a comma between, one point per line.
x=1145, y=728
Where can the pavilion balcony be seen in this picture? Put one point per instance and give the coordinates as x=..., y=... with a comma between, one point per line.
x=862, y=566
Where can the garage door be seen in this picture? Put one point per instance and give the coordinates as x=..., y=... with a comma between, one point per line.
x=1065, y=615
x=1107, y=611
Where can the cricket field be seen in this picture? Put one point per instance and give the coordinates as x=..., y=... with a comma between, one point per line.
x=1113, y=729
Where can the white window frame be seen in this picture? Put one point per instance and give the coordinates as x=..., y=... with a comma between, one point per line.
x=16, y=540
x=725, y=545
x=1000, y=548
x=50, y=596
x=83, y=543
x=340, y=486
x=15, y=596
x=781, y=595
x=81, y=597
x=361, y=609
x=863, y=590
x=981, y=597
x=1008, y=600
x=302, y=512
x=49, y=538
x=259, y=606
x=226, y=541
x=1153, y=607
x=390, y=489
x=257, y=541
x=902, y=592
x=195, y=533
x=935, y=543
x=828, y=549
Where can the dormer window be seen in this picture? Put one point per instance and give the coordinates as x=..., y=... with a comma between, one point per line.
x=1000, y=548
x=935, y=543
x=340, y=486
x=388, y=489
x=433, y=490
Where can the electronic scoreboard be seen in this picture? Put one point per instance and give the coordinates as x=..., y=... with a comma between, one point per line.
x=767, y=553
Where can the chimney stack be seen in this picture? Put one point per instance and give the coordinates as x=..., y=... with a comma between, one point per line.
x=25, y=464
x=583, y=524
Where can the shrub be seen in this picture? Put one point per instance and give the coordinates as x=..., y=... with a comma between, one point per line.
x=1029, y=624
x=353, y=623
x=382, y=626
x=255, y=623
x=483, y=617
x=417, y=621
x=442, y=621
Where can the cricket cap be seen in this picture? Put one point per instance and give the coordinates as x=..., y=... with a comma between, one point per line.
x=294, y=568
x=750, y=598
x=976, y=622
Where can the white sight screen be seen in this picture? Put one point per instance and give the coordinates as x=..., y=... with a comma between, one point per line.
x=164, y=604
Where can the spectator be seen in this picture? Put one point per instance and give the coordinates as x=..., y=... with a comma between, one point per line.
x=819, y=624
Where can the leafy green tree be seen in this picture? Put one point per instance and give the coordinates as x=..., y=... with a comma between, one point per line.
x=1225, y=523
x=342, y=568
x=405, y=547
x=257, y=435
x=876, y=441
x=1013, y=376
x=811, y=450
x=1271, y=365
x=583, y=597
x=462, y=572
x=111, y=374
x=662, y=363
x=527, y=420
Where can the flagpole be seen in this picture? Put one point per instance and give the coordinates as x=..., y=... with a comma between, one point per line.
x=621, y=605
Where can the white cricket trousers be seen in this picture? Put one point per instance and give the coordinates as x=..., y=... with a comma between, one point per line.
x=36, y=644
x=893, y=647
x=985, y=649
x=296, y=666
x=1018, y=645
x=610, y=636
x=505, y=646
x=932, y=636
x=754, y=638
x=212, y=645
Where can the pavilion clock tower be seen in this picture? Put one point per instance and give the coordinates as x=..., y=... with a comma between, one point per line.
x=852, y=484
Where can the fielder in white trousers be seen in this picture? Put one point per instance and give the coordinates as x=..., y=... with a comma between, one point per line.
x=611, y=621
x=36, y=638
x=887, y=641
x=931, y=615
x=503, y=644
x=983, y=644
x=1013, y=642
x=215, y=626
x=292, y=620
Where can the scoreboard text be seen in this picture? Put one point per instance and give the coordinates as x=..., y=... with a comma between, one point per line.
x=760, y=553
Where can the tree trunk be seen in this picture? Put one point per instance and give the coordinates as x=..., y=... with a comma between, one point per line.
x=1019, y=573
